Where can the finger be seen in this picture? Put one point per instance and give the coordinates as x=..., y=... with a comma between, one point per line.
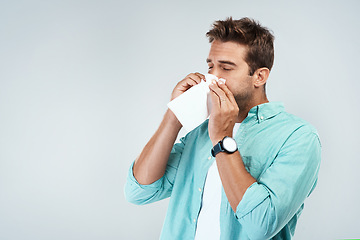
x=194, y=77
x=187, y=83
x=227, y=91
x=220, y=93
x=202, y=76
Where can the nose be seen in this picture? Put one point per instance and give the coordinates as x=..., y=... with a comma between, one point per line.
x=215, y=72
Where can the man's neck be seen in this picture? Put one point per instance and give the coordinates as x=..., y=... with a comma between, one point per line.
x=244, y=110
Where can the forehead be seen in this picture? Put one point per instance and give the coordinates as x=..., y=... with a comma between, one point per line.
x=229, y=51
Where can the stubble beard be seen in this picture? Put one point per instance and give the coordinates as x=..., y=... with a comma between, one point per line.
x=243, y=100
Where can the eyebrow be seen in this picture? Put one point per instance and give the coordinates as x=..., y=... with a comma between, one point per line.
x=222, y=61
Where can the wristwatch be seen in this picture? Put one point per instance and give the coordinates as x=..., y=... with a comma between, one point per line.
x=227, y=144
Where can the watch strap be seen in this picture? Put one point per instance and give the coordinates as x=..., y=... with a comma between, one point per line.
x=216, y=149
x=220, y=148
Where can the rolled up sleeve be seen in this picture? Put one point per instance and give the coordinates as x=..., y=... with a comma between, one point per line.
x=270, y=203
x=143, y=194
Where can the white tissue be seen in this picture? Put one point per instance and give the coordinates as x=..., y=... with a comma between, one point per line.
x=193, y=106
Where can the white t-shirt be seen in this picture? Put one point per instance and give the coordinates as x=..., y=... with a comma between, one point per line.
x=208, y=225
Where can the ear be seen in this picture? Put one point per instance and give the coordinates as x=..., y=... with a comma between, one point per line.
x=261, y=75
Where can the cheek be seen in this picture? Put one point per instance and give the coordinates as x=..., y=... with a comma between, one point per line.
x=232, y=78
x=238, y=85
x=231, y=85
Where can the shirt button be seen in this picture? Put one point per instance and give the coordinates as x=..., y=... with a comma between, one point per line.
x=261, y=117
x=200, y=189
x=194, y=220
x=209, y=158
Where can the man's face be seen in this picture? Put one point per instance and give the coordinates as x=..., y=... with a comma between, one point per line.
x=226, y=60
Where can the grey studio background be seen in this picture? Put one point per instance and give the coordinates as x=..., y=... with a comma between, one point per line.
x=84, y=85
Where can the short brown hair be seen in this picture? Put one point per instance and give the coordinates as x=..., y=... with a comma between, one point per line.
x=250, y=33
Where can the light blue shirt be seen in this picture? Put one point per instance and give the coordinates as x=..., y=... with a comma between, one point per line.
x=280, y=150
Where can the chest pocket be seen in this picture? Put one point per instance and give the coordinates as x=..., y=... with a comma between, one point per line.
x=254, y=165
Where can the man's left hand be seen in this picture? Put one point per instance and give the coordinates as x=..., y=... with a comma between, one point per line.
x=224, y=112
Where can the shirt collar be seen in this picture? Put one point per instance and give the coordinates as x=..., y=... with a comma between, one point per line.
x=265, y=111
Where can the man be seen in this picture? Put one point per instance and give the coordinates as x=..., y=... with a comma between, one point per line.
x=245, y=172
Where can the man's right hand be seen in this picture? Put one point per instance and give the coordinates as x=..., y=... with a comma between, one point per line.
x=190, y=80
x=151, y=164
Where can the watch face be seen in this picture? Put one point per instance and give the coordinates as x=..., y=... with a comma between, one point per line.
x=229, y=144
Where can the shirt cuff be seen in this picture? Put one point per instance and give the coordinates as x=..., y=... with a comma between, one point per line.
x=132, y=180
x=252, y=198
